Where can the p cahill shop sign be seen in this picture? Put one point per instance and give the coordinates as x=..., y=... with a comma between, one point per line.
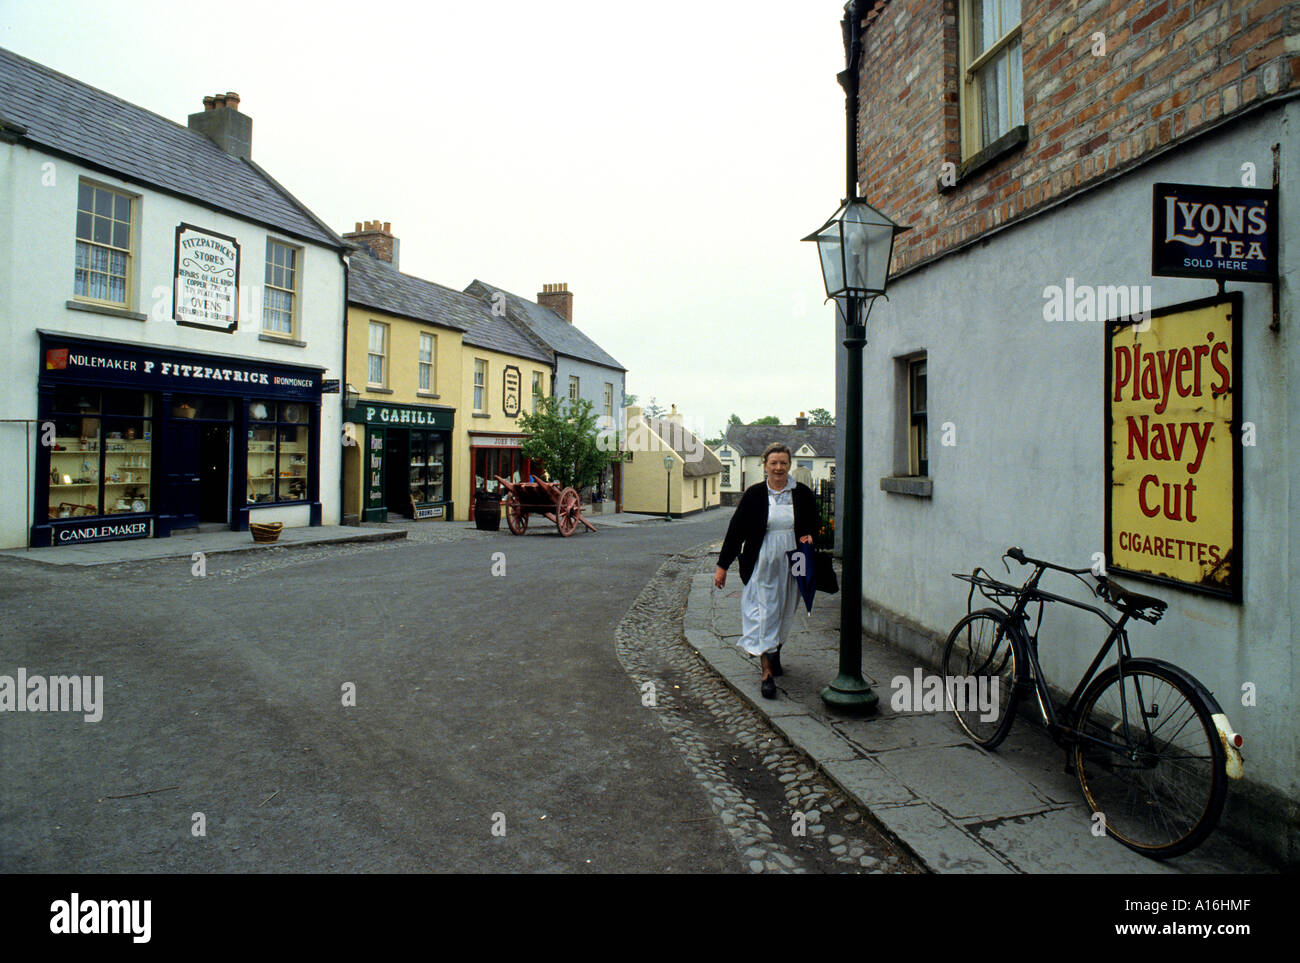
x=1214, y=232
x=1173, y=485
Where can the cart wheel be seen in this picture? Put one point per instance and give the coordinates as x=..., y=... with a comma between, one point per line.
x=516, y=517
x=566, y=512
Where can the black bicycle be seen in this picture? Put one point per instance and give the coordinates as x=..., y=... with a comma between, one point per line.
x=1150, y=745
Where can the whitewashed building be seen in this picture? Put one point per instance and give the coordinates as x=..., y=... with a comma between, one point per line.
x=171, y=320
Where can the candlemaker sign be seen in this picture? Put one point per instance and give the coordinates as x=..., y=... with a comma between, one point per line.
x=206, y=293
x=1173, y=452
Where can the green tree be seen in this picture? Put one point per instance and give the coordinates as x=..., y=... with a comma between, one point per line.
x=628, y=400
x=767, y=420
x=654, y=409
x=734, y=420
x=564, y=440
x=820, y=416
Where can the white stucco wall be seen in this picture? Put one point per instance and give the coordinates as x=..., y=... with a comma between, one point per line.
x=37, y=236
x=1025, y=397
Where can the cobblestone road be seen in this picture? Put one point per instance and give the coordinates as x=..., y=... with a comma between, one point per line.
x=781, y=814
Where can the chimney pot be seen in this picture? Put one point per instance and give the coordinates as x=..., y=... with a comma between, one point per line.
x=376, y=238
x=230, y=130
x=556, y=297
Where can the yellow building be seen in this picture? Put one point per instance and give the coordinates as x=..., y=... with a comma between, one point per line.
x=503, y=373
x=436, y=382
x=669, y=468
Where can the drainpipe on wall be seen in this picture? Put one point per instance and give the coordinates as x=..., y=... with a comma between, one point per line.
x=343, y=392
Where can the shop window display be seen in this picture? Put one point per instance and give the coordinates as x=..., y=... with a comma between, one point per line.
x=428, y=460
x=277, y=452
x=101, y=459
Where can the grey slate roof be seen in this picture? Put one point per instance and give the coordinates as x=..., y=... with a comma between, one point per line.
x=699, y=460
x=67, y=117
x=752, y=439
x=556, y=333
x=377, y=284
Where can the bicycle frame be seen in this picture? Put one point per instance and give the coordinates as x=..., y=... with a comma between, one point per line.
x=1064, y=732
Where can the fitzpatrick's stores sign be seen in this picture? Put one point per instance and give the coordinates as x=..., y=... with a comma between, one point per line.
x=207, y=279
x=1173, y=493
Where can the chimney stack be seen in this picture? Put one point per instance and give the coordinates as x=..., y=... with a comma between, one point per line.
x=558, y=298
x=222, y=123
x=376, y=239
x=801, y=421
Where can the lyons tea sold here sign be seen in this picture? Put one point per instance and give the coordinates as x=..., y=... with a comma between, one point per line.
x=1173, y=494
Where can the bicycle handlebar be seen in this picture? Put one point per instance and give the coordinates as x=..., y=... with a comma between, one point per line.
x=1144, y=607
x=1016, y=554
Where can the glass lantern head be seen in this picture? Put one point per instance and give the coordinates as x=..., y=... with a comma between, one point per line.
x=855, y=246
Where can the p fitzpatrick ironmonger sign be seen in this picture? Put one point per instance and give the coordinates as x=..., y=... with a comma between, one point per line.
x=1199, y=231
x=207, y=279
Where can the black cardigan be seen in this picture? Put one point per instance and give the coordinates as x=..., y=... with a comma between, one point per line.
x=749, y=525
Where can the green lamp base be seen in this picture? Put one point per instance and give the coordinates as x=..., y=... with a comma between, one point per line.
x=850, y=694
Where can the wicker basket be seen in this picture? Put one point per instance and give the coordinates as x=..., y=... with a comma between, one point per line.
x=265, y=531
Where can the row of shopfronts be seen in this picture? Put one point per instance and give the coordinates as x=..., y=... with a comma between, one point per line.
x=187, y=345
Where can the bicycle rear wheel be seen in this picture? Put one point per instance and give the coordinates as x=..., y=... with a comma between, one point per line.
x=979, y=671
x=1159, y=779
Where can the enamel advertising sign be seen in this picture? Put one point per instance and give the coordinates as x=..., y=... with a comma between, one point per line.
x=1199, y=231
x=1173, y=446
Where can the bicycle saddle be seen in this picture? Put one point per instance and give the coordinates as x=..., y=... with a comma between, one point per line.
x=1131, y=602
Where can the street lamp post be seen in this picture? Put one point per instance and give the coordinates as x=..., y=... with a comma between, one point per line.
x=668, y=488
x=855, y=247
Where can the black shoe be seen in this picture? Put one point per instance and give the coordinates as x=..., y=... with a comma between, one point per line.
x=768, y=688
x=774, y=660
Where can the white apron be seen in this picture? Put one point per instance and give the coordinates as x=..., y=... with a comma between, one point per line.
x=769, y=600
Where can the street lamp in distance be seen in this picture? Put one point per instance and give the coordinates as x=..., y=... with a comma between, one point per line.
x=668, y=488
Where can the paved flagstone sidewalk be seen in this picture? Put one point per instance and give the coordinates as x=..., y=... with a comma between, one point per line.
x=958, y=808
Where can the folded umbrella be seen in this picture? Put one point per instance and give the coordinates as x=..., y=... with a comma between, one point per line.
x=802, y=567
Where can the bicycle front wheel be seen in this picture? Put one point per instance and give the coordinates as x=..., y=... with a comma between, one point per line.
x=1149, y=759
x=979, y=672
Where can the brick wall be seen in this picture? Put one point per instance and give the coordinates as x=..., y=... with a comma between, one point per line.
x=1170, y=70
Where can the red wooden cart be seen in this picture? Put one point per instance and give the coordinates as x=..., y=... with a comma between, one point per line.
x=524, y=498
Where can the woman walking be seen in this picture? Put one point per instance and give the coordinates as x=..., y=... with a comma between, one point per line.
x=770, y=518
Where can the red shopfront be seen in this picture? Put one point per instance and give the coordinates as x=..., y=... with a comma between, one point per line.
x=497, y=453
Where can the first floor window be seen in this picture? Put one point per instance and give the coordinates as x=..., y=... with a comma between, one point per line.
x=726, y=475
x=428, y=348
x=539, y=388
x=992, y=90
x=104, y=235
x=573, y=387
x=280, y=290
x=480, y=384
x=378, y=356
x=609, y=398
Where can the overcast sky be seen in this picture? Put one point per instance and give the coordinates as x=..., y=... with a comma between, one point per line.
x=662, y=159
